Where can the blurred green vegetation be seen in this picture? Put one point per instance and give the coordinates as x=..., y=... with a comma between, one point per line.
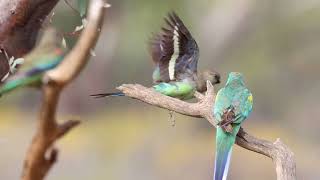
x=275, y=44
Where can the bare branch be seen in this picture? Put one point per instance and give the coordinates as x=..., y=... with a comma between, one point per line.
x=41, y=154
x=281, y=155
x=277, y=151
x=66, y=127
x=148, y=95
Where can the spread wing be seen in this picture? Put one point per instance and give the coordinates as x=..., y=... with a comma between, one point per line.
x=174, y=50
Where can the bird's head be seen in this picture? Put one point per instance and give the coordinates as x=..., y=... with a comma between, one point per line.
x=208, y=75
x=235, y=78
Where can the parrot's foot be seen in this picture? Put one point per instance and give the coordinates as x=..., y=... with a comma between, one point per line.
x=172, y=119
x=227, y=128
x=228, y=118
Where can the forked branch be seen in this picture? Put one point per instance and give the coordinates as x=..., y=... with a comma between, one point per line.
x=41, y=154
x=281, y=155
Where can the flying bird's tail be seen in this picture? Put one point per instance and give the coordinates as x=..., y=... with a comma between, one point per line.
x=224, y=142
x=107, y=95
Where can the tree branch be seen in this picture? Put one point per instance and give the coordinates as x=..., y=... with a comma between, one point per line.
x=41, y=154
x=281, y=155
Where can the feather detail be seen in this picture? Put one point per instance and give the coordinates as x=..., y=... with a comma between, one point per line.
x=174, y=50
x=222, y=173
x=176, y=53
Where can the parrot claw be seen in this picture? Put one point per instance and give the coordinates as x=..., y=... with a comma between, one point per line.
x=172, y=119
x=228, y=118
x=228, y=128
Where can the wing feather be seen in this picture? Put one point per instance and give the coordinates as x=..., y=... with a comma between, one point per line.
x=174, y=50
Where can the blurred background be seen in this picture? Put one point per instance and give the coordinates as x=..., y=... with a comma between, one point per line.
x=274, y=43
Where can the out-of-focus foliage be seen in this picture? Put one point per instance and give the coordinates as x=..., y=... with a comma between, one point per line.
x=274, y=43
x=82, y=6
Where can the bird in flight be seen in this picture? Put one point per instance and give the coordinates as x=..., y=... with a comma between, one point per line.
x=175, y=54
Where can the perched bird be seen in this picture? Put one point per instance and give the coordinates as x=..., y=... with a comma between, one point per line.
x=233, y=105
x=175, y=54
x=47, y=55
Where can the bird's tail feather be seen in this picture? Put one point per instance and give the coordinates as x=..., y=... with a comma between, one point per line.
x=9, y=87
x=101, y=95
x=14, y=84
x=222, y=165
x=224, y=142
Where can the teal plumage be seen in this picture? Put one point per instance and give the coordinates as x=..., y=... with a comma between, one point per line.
x=175, y=54
x=233, y=105
x=47, y=55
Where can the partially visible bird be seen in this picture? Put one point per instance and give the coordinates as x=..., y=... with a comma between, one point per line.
x=47, y=55
x=175, y=54
x=233, y=105
x=8, y=65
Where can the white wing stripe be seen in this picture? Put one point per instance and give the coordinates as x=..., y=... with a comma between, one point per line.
x=176, y=52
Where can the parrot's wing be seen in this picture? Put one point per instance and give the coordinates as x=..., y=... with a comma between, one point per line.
x=44, y=66
x=244, y=105
x=222, y=102
x=174, y=50
x=248, y=104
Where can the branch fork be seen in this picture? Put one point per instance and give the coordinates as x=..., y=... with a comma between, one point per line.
x=281, y=155
x=42, y=154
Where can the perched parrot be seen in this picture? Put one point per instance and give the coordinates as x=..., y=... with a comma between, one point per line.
x=47, y=55
x=175, y=54
x=233, y=105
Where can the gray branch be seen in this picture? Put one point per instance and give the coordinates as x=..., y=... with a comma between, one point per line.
x=281, y=155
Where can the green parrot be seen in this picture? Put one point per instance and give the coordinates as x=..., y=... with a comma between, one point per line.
x=175, y=54
x=47, y=55
x=233, y=105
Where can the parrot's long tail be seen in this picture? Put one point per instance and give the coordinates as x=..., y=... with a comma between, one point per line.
x=9, y=87
x=224, y=142
x=107, y=95
x=14, y=84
